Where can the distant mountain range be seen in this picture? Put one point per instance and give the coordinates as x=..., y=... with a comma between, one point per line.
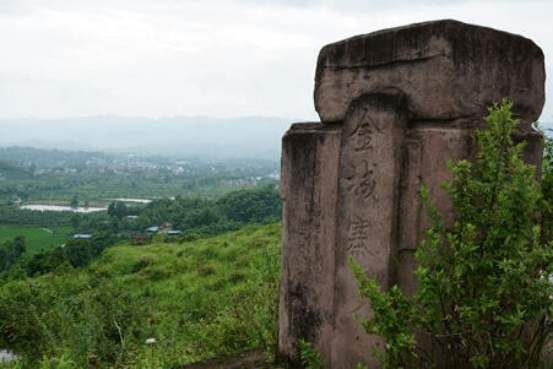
x=200, y=136
x=189, y=136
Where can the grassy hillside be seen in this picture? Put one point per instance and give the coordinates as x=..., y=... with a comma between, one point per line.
x=36, y=238
x=198, y=300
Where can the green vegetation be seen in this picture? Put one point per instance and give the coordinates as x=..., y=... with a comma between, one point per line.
x=74, y=203
x=196, y=218
x=96, y=301
x=256, y=205
x=37, y=238
x=309, y=358
x=12, y=171
x=108, y=188
x=11, y=251
x=484, y=295
x=34, y=174
x=198, y=300
x=261, y=204
x=10, y=215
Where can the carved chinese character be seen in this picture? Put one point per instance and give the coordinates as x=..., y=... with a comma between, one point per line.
x=362, y=182
x=357, y=237
x=362, y=133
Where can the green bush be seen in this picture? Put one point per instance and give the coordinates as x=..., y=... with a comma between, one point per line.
x=11, y=252
x=309, y=358
x=484, y=296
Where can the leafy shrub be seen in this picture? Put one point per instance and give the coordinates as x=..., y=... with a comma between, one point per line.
x=143, y=263
x=309, y=358
x=21, y=328
x=77, y=254
x=484, y=296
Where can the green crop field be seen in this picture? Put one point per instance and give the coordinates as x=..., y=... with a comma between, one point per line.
x=36, y=237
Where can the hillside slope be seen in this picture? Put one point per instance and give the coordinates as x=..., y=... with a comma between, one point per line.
x=198, y=300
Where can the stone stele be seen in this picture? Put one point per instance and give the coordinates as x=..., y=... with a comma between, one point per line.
x=394, y=105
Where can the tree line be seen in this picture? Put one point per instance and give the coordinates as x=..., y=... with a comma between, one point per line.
x=194, y=217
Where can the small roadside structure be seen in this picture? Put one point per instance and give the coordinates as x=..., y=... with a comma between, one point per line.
x=130, y=218
x=82, y=237
x=166, y=227
x=152, y=230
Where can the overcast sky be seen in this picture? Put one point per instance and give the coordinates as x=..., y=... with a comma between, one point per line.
x=220, y=58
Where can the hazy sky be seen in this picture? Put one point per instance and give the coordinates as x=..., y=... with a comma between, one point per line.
x=221, y=58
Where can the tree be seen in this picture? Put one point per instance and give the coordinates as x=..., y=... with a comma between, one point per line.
x=19, y=246
x=4, y=258
x=11, y=252
x=120, y=209
x=200, y=218
x=117, y=209
x=256, y=205
x=75, y=220
x=78, y=253
x=483, y=298
x=74, y=202
x=111, y=209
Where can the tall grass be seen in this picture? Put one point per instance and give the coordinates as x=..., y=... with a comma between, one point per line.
x=199, y=300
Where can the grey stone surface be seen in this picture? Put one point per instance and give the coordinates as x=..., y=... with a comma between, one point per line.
x=447, y=69
x=394, y=105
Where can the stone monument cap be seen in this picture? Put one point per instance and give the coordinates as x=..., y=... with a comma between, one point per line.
x=446, y=69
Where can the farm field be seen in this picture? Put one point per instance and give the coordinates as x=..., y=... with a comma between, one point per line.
x=107, y=189
x=36, y=238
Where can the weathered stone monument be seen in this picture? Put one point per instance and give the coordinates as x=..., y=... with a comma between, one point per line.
x=394, y=105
